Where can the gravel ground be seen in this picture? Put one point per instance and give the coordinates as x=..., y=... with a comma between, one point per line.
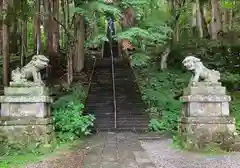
x=68, y=160
x=163, y=155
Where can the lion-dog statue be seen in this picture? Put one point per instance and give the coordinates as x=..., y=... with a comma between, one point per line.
x=31, y=70
x=200, y=71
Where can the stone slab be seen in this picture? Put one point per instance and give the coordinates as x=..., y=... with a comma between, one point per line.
x=207, y=84
x=205, y=98
x=207, y=120
x=32, y=91
x=23, y=84
x=205, y=109
x=7, y=121
x=109, y=165
x=203, y=90
x=141, y=157
x=22, y=133
x=127, y=153
x=26, y=99
x=40, y=110
x=147, y=165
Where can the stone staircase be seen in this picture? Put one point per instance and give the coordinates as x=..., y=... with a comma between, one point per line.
x=130, y=109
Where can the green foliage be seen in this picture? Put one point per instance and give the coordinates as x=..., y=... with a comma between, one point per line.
x=139, y=60
x=234, y=108
x=69, y=121
x=19, y=158
x=158, y=90
x=21, y=149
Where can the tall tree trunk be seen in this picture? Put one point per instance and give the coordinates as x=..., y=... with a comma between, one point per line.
x=5, y=39
x=14, y=36
x=49, y=27
x=1, y=39
x=63, y=7
x=55, y=34
x=23, y=36
x=70, y=46
x=78, y=59
x=36, y=28
x=199, y=19
x=230, y=20
x=194, y=18
x=225, y=20
x=176, y=33
x=23, y=42
x=216, y=23
x=204, y=22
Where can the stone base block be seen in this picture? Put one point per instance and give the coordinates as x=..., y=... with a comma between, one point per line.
x=33, y=91
x=40, y=110
x=203, y=90
x=205, y=108
x=26, y=131
x=198, y=132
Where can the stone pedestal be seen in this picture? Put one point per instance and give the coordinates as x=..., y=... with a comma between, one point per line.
x=205, y=116
x=25, y=115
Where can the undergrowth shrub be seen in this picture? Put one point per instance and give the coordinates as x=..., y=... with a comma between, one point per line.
x=70, y=123
x=235, y=107
x=158, y=90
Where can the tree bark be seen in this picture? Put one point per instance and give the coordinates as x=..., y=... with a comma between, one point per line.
x=48, y=26
x=55, y=32
x=69, y=45
x=204, y=22
x=216, y=23
x=63, y=6
x=1, y=42
x=36, y=28
x=78, y=59
x=23, y=42
x=224, y=20
x=230, y=20
x=5, y=41
x=194, y=18
x=199, y=19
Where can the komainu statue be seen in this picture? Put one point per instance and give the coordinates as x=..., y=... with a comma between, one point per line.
x=200, y=71
x=31, y=70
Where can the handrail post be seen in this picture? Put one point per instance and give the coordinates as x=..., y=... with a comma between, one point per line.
x=90, y=79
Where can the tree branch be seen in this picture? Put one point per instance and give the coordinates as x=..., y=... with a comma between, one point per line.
x=60, y=23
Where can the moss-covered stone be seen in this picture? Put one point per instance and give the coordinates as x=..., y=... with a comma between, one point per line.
x=26, y=131
x=205, y=120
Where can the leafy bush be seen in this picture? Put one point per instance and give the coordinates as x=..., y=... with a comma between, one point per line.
x=158, y=91
x=69, y=121
x=234, y=108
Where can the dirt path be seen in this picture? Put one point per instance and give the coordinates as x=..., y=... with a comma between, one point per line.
x=163, y=155
x=129, y=150
x=67, y=160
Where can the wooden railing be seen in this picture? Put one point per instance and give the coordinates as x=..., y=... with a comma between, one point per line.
x=90, y=78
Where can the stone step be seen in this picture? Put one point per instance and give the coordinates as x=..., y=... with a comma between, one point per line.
x=137, y=130
x=130, y=109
